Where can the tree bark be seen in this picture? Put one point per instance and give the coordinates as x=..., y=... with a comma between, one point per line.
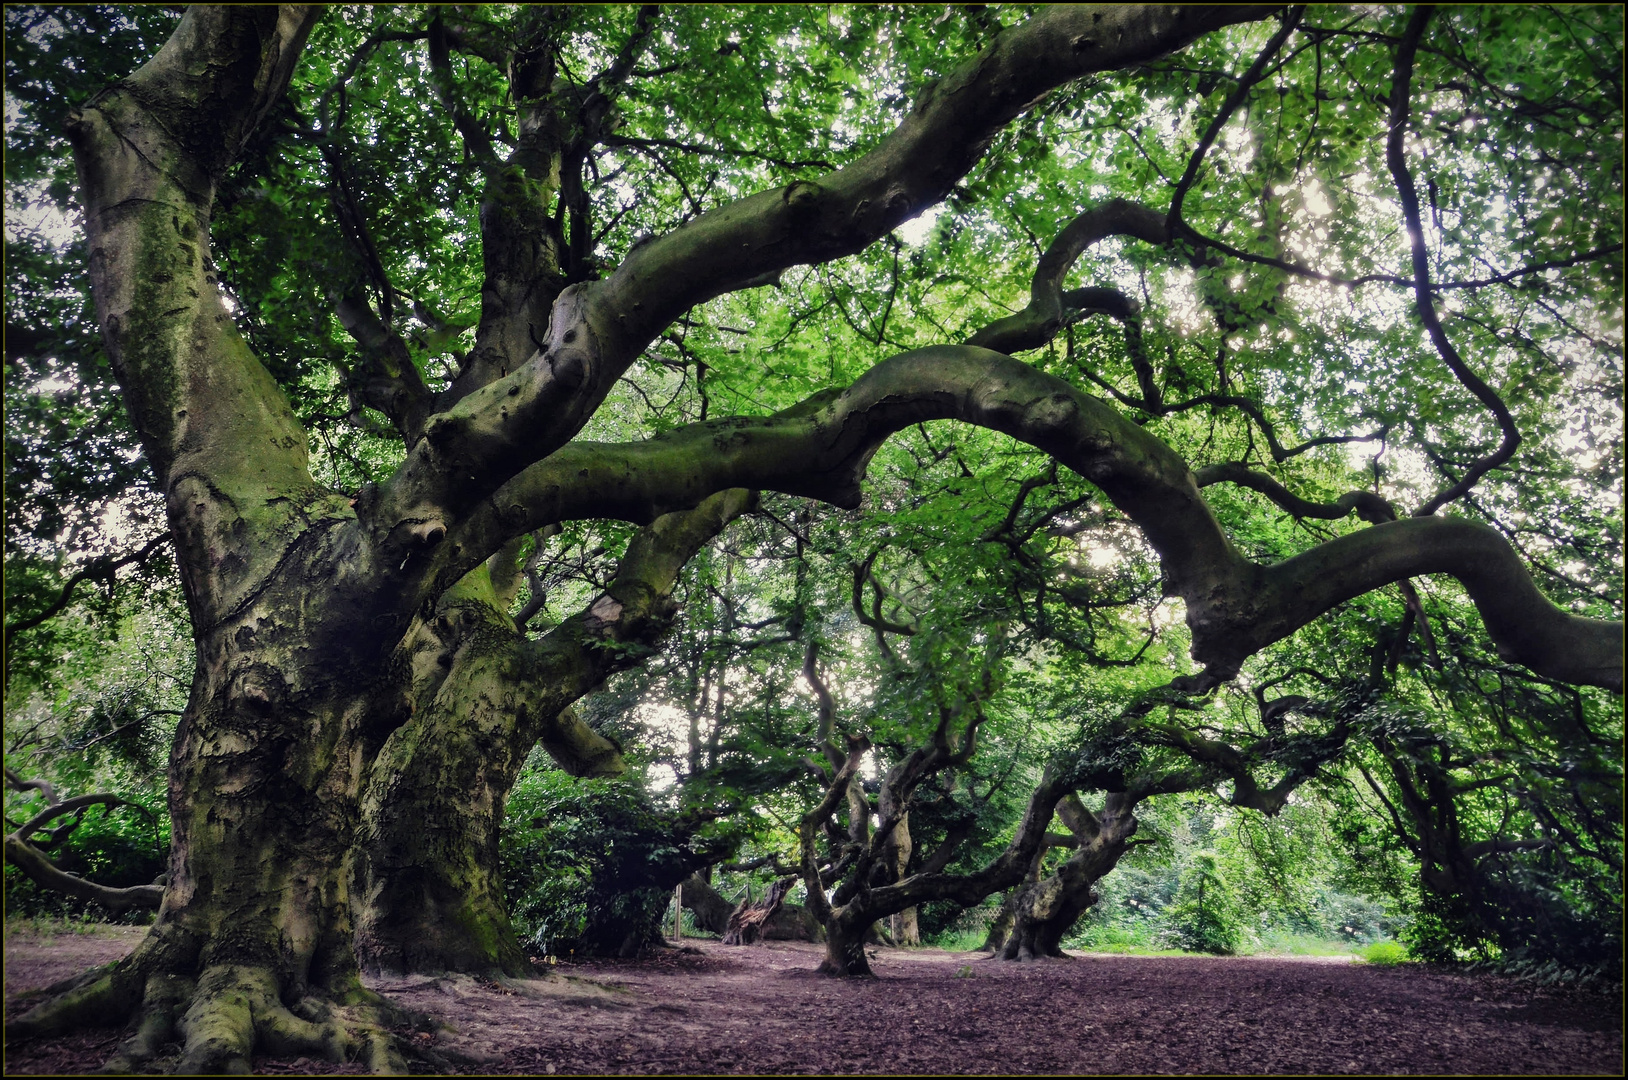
x=896, y=851
x=710, y=909
x=253, y=940
x=432, y=894
x=749, y=922
x=1048, y=909
x=845, y=940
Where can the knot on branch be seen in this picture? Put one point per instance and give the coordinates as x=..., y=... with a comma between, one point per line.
x=802, y=195
x=428, y=533
x=606, y=610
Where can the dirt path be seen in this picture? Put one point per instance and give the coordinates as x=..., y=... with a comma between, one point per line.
x=762, y=1010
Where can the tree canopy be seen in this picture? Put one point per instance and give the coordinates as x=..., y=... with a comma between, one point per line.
x=913, y=426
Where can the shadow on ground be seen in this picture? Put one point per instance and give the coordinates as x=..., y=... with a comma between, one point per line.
x=760, y=1009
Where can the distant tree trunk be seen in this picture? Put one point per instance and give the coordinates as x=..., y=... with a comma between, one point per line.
x=1000, y=927
x=747, y=922
x=1048, y=909
x=848, y=918
x=896, y=851
x=710, y=909
x=845, y=934
x=905, y=927
x=793, y=922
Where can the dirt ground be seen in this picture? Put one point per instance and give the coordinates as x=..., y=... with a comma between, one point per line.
x=760, y=1009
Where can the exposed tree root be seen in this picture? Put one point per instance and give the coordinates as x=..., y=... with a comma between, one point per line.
x=85, y=1001
x=215, y=1025
x=155, y=1023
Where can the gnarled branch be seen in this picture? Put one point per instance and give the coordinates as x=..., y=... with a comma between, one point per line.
x=46, y=874
x=598, y=328
x=1234, y=607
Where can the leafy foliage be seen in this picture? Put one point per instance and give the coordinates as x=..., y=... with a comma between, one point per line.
x=590, y=865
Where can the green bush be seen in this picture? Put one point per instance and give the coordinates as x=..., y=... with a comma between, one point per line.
x=956, y=940
x=1142, y=935
x=1206, y=916
x=1385, y=953
x=589, y=865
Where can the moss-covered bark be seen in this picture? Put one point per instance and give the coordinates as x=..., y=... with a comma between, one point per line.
x=428, y=847
x=1047, y=909
x=252, y=944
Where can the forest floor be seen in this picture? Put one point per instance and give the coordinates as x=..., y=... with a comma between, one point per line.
x=761, y=1009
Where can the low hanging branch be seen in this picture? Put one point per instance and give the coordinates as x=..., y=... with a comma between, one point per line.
x=1235, y=607
x=45, y=873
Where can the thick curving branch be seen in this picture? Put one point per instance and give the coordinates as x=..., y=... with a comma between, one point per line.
x=1039, y=322
x=599, y=328
x=820, y=449
x=44, y=873
x=607, y=637
x=1525, y=626
x=101, y=568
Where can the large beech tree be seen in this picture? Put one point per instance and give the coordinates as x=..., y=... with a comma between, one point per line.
x=363, y=693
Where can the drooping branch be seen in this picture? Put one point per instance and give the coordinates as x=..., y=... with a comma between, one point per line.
x=1234, y=607
x=1524, y=625
x=1217, y=760
x=44, y=787
x=1190, y=234
x=43, y=872
x=1050, y=309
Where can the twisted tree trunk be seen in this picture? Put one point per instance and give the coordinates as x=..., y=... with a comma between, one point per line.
x=253, y=941
x=1048, y=909
x=428, y=848
x=303, y=599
